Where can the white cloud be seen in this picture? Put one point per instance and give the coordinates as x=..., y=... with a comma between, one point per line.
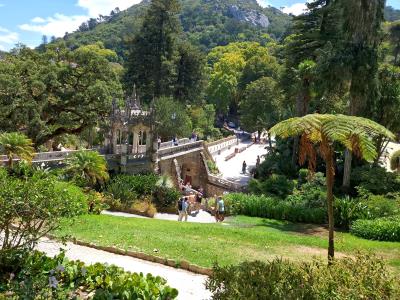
x=56, y=25
x=104, y=7
x=7, y=38
x=263, y=3
x=38, y=20
x=295, y=9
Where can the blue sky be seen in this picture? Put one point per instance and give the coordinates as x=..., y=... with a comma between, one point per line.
x=26, y=21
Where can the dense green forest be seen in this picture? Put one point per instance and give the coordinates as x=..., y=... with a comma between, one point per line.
x=205, y=23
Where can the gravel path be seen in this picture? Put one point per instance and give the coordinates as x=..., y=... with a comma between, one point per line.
x=190, y=285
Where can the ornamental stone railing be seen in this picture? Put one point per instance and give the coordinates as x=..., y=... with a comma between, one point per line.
x=171, y=144
x=162, y=152
x=222, y=144
x=45, y=156
x=229, y=185
x=225, y=184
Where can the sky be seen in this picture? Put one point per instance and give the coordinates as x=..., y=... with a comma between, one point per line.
x=26, y=21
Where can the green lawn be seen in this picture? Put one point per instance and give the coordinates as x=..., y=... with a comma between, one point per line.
x=243, y=238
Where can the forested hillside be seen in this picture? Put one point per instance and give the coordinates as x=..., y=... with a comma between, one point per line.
x=207, y=23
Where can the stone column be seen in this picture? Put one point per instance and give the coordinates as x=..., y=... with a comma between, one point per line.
x=149, y=144
x=135, y=142
x=114, y=141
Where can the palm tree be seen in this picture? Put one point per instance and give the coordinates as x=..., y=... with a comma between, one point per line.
x=16, y=144
x=395, y=161
x=89, y=166
x=318, y=133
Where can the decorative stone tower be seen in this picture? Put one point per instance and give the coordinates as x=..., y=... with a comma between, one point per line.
x=131, y=134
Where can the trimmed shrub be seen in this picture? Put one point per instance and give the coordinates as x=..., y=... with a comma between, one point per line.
x=267, y=207
x=364, y=277
x=41, y=277
x=383, y=229
x=368, y=206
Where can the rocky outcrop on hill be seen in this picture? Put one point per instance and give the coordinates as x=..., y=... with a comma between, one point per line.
x=249, y=16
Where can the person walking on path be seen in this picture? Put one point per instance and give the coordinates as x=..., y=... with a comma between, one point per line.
x=158, y=143
x=181, y=203
x=244, y=167
x=258, y=161
x=220, y=210
x=185, y=209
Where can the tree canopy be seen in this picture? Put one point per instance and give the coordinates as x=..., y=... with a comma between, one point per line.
x=57, y=92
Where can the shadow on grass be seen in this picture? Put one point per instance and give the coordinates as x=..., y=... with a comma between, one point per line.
x=308, y=229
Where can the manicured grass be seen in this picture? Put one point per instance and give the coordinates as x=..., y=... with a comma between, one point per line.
x=242, y=238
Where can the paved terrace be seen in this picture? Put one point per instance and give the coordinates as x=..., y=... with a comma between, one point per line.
x=232, y=169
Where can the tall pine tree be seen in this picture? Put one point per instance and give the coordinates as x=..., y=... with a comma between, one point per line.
x=151, y=62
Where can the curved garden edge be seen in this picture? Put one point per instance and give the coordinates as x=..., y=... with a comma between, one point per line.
x=183, y=264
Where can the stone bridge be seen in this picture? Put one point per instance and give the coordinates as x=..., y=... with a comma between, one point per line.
x=186, y=162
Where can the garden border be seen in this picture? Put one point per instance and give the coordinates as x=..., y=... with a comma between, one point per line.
x=183, y=264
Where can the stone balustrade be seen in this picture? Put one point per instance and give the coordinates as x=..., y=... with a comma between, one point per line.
x=229, y=185
x=221, y=145
x=45, y=156
x=162, y=152
x=171, y=144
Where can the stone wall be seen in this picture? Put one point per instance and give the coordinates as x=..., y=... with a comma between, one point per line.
x=191, y=168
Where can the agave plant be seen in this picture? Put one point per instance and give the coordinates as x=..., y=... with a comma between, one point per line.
x=14, y=145
x=89, y=166
x=165, y=181
x=318, y=134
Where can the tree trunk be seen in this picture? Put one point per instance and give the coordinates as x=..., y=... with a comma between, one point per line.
x=348, y=158
x=10, y=162
x=270, y=141
x=330, y=174
x=295, y=151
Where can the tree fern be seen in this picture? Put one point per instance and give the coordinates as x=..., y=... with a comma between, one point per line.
x=319, y=133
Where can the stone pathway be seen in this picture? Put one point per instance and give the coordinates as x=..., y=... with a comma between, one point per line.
x=232, y=169
x=201, y=217
x=190, y=286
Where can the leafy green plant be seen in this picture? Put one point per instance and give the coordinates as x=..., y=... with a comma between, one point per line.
x=348, y=210
x=32, y=207
x=41, y=277
x=128, y=188
x=275, y=185
x=96, y=202
x=14, y=145
x=87, y=167
x=267, y=207
x=212, y=166
x=165, y=197
x=364, y=277
x=375, y=180
x=382, y=229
